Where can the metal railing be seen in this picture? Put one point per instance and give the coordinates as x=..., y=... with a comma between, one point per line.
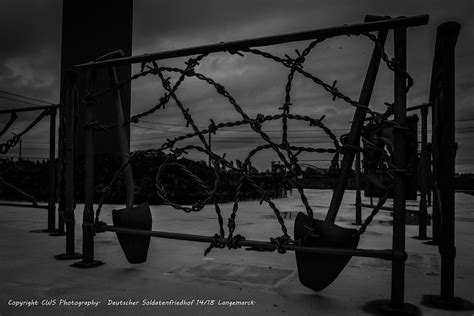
x=397, y=254
x=51, y=111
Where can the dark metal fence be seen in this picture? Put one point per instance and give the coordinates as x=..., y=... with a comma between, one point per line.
x=47, y=110
x=350, y=148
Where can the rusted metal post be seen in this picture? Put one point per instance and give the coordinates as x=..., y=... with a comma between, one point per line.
x=60, y=231
x=444, y=149
x=70, y=222
x=88, y=215
x=358, y=199
x=88, y=230
x=61, y=225
x=430, y=174
x=210, y=146
x=424, y=174
x=69, y=108
x=423, y=215
x=436, y=207
x=397, y=300
x=51, y=206
x=52, y=172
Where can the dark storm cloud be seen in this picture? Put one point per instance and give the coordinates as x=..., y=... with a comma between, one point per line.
x=30, y=33
x=30, y=51
x=28, y=26
x=218, y=20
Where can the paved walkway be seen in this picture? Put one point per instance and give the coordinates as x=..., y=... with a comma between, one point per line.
x=179, y=275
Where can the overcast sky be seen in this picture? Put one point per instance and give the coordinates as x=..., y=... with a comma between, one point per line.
x=30, y=33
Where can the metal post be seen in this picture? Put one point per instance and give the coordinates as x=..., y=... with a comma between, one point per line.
x=397, y=300
x=446, y=173
x=358, y=201
x=430, y=174
x=210, y=146
x=52, y=172
x=60, y=230
x=444, y=149
x=423, y=217
x=88, y=230
x=436, y=207
x=432, y=202
x=69, y=108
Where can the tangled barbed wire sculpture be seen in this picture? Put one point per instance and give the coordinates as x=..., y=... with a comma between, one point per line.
x=287, y=153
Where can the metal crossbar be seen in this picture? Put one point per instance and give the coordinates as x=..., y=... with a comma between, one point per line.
x=387, y=208
x=31, y=108
x=387, y=254
x=357, y=28
x=25, y=205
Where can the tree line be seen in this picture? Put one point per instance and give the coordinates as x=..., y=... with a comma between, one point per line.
x=32, y=178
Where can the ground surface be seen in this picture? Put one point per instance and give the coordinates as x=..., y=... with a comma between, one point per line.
x=178, y=271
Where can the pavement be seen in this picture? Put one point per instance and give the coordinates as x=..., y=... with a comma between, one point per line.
x=178, y=279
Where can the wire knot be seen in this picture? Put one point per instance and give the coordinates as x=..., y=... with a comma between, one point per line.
x=191, y=63
x=233, y=242
x=215, y=243
x=231, y=224
x=212, y=127
x=334, y=90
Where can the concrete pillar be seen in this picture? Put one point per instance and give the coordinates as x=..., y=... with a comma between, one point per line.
x=92, y=29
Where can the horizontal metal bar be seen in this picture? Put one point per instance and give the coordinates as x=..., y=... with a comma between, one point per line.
x=381, y=254
x=265, y=41
x=389, y=112
x=24, y=205
x=386, y=208
x=419, y=107
x=31, y=108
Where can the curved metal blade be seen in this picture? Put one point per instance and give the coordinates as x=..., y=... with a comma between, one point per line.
x=137, y=217
x=317, y=271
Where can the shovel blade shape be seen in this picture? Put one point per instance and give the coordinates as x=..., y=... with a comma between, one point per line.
x=137, y=217
x=317, y=271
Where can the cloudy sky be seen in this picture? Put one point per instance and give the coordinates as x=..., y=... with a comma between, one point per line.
x=30, y=31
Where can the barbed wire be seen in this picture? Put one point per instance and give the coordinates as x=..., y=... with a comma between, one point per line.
x=6, y=146
x=286, y=152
